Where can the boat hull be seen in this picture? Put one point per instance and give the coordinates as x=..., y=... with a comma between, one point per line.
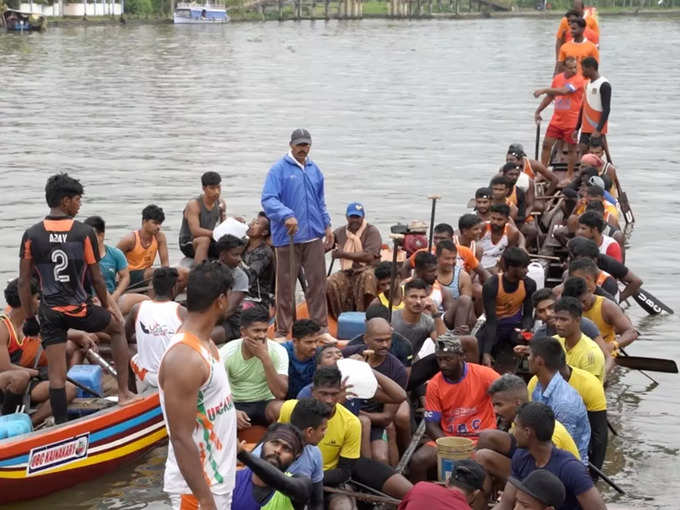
x=42, y=462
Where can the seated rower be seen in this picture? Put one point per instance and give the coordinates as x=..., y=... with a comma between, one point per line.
x=301, y=353
x=18, y=353
x=114, y=266
x=311, y=417
x=590, y=226
x=152, y=324
x=523, y=200
x=258, y=259
x=535, y=170
x=582, y=247
x=383, y=277
x=611, y=226
x=591, y=391
x=545, y=360
x=534, y=426
x=201, y=215
x=594, y=192
x=378, y=340
x=497, y=235
x=265, y=482
x=229, y=249
x=543, y=301
x=257, y=368
x=400, y=347
x=341, y=444
x=500, y=189
x=463, y=490
x=470, y=252
x=141, y=246
x=604, y=168
x=457, y=281
x=581, y=351
x=456, y=402
x=61, y=250
x=495, y=448
x=358, y=248
x=615, y=327
x=507, y=304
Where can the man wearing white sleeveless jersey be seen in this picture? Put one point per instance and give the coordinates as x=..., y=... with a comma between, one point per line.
x=154, y=323
x=196, y=399
x=596, y=105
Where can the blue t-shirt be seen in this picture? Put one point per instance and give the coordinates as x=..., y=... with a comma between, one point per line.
x=353, y=405
x=113, y=261
x=300, y=373
x=309, y=464
x=569, y=410
x=242, y=497
x=564, y=466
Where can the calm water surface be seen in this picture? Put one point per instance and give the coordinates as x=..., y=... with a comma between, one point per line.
x=397, y=110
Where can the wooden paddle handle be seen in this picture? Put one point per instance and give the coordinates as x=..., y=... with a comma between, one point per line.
x=397, y=237
x=434, y=197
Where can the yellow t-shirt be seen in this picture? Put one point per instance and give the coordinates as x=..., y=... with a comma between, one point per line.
x=586, y=384
x=342, y=437
x=586, y=355
x=560, y=438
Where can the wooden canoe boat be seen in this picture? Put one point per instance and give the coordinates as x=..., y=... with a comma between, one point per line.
x=41, y=462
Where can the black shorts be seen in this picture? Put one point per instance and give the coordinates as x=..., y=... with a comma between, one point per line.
x=371, y=472
x=378, y=433
x=54, y=324
x=584, y=139
x=255, y=411
x=188, y=249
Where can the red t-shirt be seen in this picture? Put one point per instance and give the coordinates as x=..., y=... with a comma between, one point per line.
x=434, y=497
x=567, y=106
x=462, y=408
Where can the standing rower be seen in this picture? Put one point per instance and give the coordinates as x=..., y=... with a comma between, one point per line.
x=579, y=47
x=597, y=105
x=61, y=250
x=592, y=31
x=196, y=400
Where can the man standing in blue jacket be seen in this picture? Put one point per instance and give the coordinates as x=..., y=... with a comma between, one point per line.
x=293, y=199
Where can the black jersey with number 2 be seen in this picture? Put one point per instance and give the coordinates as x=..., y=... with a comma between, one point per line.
x=61, y=249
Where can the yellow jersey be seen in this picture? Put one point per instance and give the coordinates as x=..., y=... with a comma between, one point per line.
x=586, y=355
x=595, y=314
x=342, y=437
x=588, y=387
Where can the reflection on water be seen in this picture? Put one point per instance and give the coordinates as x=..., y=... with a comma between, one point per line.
x=397, y=110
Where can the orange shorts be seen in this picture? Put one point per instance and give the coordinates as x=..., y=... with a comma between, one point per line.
x=560, y=134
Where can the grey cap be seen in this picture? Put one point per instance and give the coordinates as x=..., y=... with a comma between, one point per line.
x=543, y=486
x=448, y=342
x=596, y=181
x=300, y=136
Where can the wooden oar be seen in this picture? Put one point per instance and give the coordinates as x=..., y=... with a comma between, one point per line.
x=651, y=304
x=622, y=352
x=628, y=215
x=415, y=440
x=538, y=139
x=434, y=199
x=667, y=366
x=606, y=478
x=396, y=238
x=360, y=496
x=93, y=356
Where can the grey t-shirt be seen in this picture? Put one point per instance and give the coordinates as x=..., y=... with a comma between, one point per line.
x=415, y=333
x=241, y=282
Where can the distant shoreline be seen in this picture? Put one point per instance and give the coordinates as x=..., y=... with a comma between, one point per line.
x=237, y=17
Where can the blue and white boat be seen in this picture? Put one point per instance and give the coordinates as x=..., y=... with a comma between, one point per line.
x=197, y=14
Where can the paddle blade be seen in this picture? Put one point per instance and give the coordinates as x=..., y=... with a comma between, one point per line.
x=650, y=304
x=651, y=364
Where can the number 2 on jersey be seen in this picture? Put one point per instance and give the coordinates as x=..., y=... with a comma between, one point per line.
x=60, y=258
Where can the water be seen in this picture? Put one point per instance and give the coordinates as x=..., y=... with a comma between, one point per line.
x=398, y=110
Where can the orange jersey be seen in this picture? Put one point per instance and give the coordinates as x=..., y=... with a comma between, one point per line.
x=509, y=304
x=527, y=168
x=141, y=257
x=579, y=51
x=592, y=27
x=463, y=407
x=568, y=106
x=470, y=262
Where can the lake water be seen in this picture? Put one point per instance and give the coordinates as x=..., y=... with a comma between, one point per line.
x=398, y=110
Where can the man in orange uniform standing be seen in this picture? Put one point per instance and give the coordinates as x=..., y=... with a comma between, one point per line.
x=567, y=92
x=592, y=31
x=597, y=105
x=579, y=47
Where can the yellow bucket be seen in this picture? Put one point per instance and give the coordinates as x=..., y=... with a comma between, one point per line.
x=449, y=450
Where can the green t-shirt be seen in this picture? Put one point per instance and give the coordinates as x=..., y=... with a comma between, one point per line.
x=246, y=376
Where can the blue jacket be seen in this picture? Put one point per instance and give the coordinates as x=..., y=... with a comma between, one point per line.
x=290, y=191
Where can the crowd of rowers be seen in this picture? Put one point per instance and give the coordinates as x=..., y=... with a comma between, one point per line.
x=419, y=339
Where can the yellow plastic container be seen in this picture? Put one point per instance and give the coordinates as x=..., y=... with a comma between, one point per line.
x=449, y=450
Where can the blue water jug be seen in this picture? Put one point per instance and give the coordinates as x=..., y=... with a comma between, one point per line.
x=351, y=324
x=15, y=424
x=89, y=375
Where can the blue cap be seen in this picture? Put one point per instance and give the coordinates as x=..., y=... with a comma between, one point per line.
x=355, y=209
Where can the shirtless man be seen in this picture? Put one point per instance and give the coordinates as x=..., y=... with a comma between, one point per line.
x=141, y=246
x=61, y=250
x=497, y=236
x=196, y=398
x=201, y=215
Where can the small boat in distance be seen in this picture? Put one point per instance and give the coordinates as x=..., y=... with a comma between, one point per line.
x=192, y=13
x=18, y=21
